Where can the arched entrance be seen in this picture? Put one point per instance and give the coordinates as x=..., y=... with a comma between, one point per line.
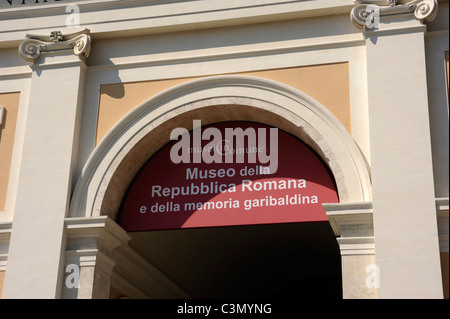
x=295, y=260
x=112, y=167
x=234, y=230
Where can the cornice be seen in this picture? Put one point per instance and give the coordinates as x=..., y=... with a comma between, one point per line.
x=34, y=45
x=367, y=14
x=119, y=18
x=5, y=235
x=352, y=223
x=5, y=231
x=343, y=215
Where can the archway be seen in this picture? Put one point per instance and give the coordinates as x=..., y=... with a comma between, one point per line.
x=117, y=159
x=295, y=260
x=134, y=139
x=234, y=230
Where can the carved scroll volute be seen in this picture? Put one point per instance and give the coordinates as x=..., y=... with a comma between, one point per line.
x=31, y=48
x=81, y=45
x=367, y=13
x=365, y=16
x=426, y=10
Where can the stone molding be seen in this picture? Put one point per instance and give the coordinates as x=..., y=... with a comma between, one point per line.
x=80, y=42
x=137, y=16
x=367, y=13
x=319, y=129
x=352, y=223
x=100, y=244
x=5, y=236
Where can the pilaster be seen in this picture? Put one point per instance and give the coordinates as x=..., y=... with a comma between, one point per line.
x=98, y=257
x=5, y=235
x=352, y=224
x=89, y=258
x=45, y=176
x=404, y=211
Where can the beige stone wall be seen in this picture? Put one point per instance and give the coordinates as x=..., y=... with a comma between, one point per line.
x=7, y=130
x=174, y=43
x=354, y=274
x=328, y=84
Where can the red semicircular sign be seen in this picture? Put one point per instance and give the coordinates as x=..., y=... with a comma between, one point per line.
x=201, y=191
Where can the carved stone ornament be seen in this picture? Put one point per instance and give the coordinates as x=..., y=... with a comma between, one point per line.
x=366, y=13
x=31, y=48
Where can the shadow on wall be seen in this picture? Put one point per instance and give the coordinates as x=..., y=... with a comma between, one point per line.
x=116, y=91
x=183, y=44
x=2, y=120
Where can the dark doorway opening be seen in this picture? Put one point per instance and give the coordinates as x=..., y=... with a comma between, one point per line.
x=295, y=260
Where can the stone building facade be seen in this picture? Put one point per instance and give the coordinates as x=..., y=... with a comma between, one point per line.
x=91, y=89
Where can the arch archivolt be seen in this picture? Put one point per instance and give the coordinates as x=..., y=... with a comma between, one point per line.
x=142, y=132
